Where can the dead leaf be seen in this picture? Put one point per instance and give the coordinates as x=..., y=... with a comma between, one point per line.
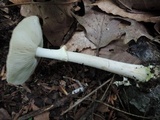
x=112, y=115
x=6, y=21
x=62, y=89
x=112, y=98
x=26, y=88
x=4, y=114
x=43, y=116
x=48, y=88
x=157, y=27
x=142, y=5
x=89, y=51
x=101, y=28
x=56, y=22
x=4, y=9
x=20, y=1
x=22, y=111
x=109, y=7
x=3, y=73
x=80, y=112
x=133, y=30
x=63, y=83
x=116, y=50
x=102, y=108
x=79, y=42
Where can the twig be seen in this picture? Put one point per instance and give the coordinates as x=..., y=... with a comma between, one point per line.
x=80, y=100
x=70, y=32
x=37, y=3
x=95, y=104
x=77, y=90
x=138, y=116
x=101, y=118
x=58, y=103
x=111, y=81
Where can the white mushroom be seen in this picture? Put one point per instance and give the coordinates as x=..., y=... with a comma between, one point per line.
x=21, y=60
x=26, y=44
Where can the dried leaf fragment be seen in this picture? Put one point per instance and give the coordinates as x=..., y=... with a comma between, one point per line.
x=56, y=22
x=79, y=42
x=116, y=50
x=20, y=1
x=4, y=114
x=109, y=7
x=142, y=5
x=43, y=116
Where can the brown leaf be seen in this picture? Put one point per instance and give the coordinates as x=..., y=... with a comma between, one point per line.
x=102, y=108
x=20, y=1
x=157, y=27
x=89, y=51
x=47, y=87
x=80, y=112
x=79, y=42
x=56, y=22
x=101, y=28
x=109, y=7
x=43, y=116
x=143, y=5
x=116, y=50
x=4, y=115
x=132, y=31
x=63, y=90
x=3, y=73
x=112, y=98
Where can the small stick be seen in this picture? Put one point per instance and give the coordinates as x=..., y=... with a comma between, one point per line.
x=58, y=103
x=80, y=100
x=40, y=3
x=94, y=104
x=138, y=116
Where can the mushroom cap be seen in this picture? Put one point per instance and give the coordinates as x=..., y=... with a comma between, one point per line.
x=21, y=59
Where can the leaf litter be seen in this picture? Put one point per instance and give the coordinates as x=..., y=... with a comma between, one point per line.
x=110, y=7
x=101, y=32
x=56, y=21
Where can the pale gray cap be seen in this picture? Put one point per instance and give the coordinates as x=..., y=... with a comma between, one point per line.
x=21, y=60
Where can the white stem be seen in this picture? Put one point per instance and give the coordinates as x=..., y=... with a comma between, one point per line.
x=138, y=72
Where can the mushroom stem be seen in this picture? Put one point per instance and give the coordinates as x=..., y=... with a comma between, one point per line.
x=138, y=72
x=27, y=43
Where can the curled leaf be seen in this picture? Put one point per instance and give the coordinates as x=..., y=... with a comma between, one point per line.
x=110, y=7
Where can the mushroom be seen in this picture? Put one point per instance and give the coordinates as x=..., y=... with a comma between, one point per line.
x=26, y=46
